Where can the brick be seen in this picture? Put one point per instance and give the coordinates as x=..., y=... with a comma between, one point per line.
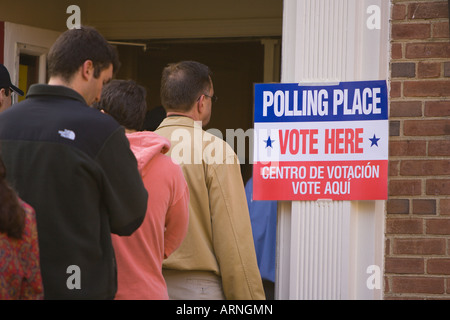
x=403, y=70
x=404, y=265
x=394, y=128
x=439, y=148
x=429, y=70
x=396, y=89
x=426, y=127
x=417, y=272
x=427, y=50
x=404, y=226
x=444, y=206
x=440, y=30
x=424, y=167
x=424, y=206
x=410, y=31
x=437, y=88
x=437, y=108
x=419, y=246
x=430, y=10
x=438, y=226
x=438, y=187
x=398, y=12
x=396, y=51
x=407, y=148
x=405, y=187
x=386, y=285
x=446, y=69
x=406, y=109
x=428, y=285
x=393, y=168
x=438, y=266
x=398, y=206
x=401, y=297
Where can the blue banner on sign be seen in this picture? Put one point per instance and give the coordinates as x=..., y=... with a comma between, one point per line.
x=346, y=101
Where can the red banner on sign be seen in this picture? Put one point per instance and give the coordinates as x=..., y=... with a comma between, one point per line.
x=346, y=180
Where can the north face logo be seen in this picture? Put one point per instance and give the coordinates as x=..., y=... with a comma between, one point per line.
x=67, y=134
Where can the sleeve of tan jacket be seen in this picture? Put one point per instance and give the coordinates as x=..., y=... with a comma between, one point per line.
x=232, y=234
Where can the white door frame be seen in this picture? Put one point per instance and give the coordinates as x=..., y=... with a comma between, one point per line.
x=30, y=40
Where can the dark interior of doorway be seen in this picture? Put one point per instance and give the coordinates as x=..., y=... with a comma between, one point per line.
x=237, y=64
x=28, y=72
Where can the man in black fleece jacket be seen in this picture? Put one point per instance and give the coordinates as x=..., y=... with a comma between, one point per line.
x=74, y=165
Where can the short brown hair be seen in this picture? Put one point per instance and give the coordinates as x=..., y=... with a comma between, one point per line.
x=183, y=83
x=74, y=47
x=125, y=101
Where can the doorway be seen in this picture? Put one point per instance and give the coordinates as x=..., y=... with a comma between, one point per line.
x=28, y=72
x=25, y=53
x=236, y=64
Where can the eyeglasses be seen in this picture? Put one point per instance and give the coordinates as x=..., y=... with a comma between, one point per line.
x=213, y=98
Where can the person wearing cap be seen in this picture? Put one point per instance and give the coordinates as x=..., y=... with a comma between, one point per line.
x=74, y=166
x=6, y=88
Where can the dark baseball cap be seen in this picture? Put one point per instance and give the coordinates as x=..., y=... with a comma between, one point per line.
x=5, y=80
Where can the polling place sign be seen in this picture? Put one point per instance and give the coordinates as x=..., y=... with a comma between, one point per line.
x=321, y=141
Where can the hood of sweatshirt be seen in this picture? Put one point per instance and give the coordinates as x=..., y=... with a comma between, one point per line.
x=145, y=145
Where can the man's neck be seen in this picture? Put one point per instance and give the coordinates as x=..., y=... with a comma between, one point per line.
x=74, y=84
x=181, y=114
x=58, y=81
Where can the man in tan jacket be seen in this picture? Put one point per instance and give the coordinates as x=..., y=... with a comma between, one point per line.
x=217, y=259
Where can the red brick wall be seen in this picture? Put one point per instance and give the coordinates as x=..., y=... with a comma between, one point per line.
x=417, y=261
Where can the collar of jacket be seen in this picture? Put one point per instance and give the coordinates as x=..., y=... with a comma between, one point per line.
x=179, y=120
x=51, y=90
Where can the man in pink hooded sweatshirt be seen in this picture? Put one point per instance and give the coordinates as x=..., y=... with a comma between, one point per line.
x=140, y=256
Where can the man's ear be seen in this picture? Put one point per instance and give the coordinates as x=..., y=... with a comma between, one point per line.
x=200, y=104
x=2, y=96
x=87, y=70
